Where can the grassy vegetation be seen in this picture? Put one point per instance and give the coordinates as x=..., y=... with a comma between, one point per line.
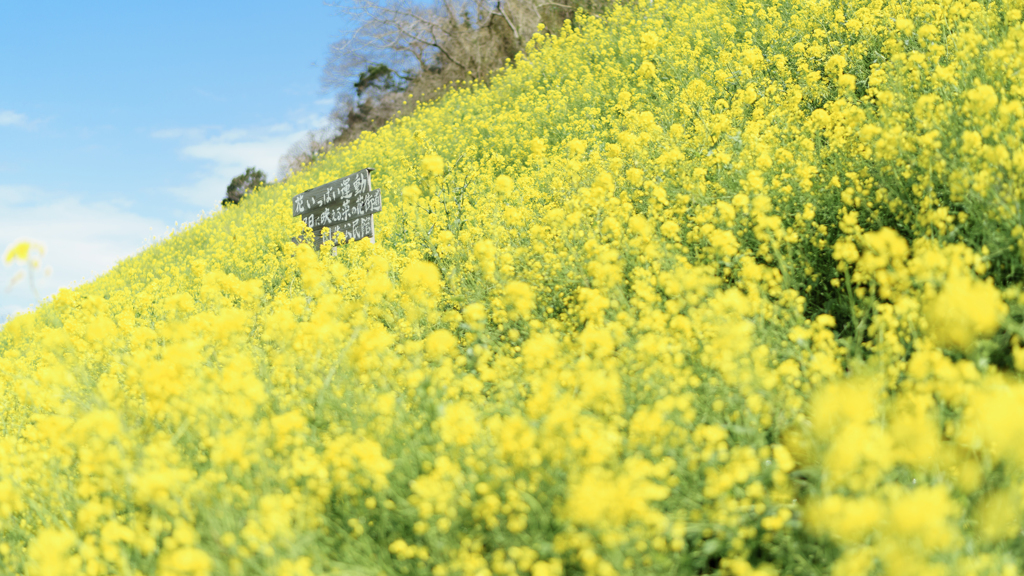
x=696, y=287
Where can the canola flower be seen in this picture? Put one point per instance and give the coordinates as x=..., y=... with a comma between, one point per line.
x=28, y=253
x=717, y=287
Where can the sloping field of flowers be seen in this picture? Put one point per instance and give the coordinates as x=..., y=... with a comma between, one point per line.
x=698, y=287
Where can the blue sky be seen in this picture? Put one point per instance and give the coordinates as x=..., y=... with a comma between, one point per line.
x=120, y=119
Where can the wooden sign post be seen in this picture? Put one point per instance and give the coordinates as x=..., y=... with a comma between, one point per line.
x=343, y=207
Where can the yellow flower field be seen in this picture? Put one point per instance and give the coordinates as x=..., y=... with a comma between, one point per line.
x=725, y=287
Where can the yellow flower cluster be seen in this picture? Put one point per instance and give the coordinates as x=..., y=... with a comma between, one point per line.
x=723, y=287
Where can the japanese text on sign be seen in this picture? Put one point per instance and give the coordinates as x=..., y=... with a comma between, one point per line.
x=332, y=193
x=356, y=206
x=341, y=209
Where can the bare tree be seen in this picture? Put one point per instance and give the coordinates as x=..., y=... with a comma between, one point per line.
x=461, y=35
x=379, y=97
x=404, y=52
x=309, y=149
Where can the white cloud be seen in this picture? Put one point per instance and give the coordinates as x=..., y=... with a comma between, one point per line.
x=10, y=118
x=208, y=190
x=228, y=152
x=9, y=311
x=10, y=195
x=241, y=149
x=191, y=133
x=82, y=240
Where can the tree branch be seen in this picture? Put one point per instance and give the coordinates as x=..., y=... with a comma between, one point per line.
x=515, y=31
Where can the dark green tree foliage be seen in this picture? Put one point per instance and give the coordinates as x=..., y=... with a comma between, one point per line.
x=381, y=77
x=243, y=184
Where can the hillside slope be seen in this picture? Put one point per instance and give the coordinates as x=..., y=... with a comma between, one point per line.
x=699, y=287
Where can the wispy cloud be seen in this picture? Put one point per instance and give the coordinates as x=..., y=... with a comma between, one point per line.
x=8, y=311
x=11, y=195
x=11, y=118
x=82, y=239
x=238, y=148
x=190, y=133
x=228, y=152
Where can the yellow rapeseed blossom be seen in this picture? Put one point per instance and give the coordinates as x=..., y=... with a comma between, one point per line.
x=965, y=310
x=688, y=287
x=19, y=250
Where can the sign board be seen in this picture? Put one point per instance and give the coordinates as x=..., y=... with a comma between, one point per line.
x=343, y=208
x=355, y=229
x=330, y=193
x=357, y=206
